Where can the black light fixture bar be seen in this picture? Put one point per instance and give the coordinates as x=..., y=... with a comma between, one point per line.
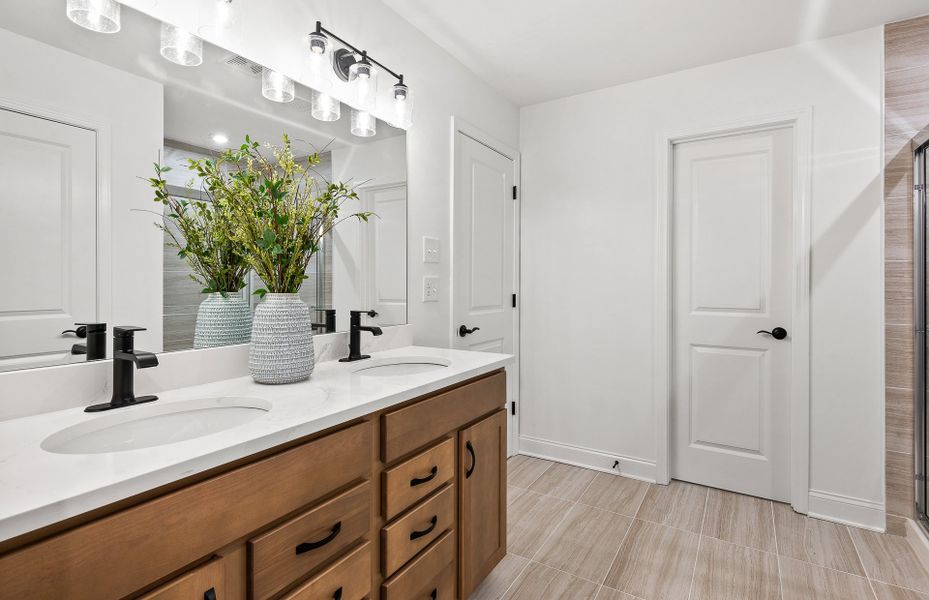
x=356, y=50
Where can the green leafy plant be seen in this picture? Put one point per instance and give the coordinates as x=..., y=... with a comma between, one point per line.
x=279, y=209
x=201, y=231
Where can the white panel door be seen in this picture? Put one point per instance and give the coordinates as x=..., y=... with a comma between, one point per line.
x=47, y=235
x=732, y=235
x=385, y=290
x=484, y=251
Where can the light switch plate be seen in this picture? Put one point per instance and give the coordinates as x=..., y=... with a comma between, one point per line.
x=430, y=249
x=430, y=288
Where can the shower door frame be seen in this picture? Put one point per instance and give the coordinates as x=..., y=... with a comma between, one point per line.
x=919, y=338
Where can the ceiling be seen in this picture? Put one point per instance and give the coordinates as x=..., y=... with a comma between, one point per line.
x=538, y=50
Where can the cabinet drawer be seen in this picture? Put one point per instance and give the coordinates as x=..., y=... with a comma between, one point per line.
x=432, y=571
x=348, y=578
x=206, y=582
x=419, y=424
x=289, y=551
x=143, y=543
x=415, y=530
x=414, y=479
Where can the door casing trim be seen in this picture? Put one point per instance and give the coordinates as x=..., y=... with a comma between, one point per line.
x=801, y=122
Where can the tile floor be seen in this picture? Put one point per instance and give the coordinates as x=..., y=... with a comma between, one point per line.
x=578, y=534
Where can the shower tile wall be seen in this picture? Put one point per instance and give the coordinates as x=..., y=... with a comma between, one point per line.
x=906, y=112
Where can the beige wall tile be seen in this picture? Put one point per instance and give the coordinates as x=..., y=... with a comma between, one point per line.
x=898, y=166
x=890, y=559
x=812, y=540
x=500, y=579
x=530, y=518
x=563, y=481
x=615, y=493
x=585, y=542
x=899, y=475
x=906, y=44
x=803, y=581
x=896, y=525
x=729, y=572
x=678, y=505
x=898, y=340
x=898, y=415
x=898, y=227
x=539, y=581
x=743, y=520
x=891, y=592
x=522, y=471
x=906, y=101
x=898, y=292
x=654, y=562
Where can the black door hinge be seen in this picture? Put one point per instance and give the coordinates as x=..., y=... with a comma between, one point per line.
x=514, y=300
x=919, y=187
x=513, y=408
x=514, y=192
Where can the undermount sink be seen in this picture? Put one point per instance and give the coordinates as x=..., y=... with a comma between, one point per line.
x=155, y=424
x=401, y=366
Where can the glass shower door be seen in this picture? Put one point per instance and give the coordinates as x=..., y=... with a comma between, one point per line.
x=920, y=349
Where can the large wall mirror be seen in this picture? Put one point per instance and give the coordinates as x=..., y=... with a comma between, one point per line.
x=83, y=118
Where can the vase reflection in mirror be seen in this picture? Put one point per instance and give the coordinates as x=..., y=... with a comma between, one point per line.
x=223, y=319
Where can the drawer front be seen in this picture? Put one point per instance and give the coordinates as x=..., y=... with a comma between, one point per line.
x=414, y=479
x=418, y=424
x=143, y=543
x=206, y=582
x=348, y=578
x=432, y=571
x=412, y=532
x=288, y=552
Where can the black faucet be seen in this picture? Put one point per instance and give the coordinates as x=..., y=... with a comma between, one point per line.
x=125, y=360
x=95, y=333
x=329, y=325
x=354, y=335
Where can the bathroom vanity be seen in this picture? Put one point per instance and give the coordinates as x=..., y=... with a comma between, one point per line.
x=400, y=494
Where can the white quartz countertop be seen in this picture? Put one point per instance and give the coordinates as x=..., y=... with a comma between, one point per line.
x=39, y=488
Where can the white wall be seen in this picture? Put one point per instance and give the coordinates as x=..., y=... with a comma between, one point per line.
x=272, y=34
x=47, y=78
x=589, y=173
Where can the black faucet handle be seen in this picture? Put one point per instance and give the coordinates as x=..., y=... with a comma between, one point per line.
x=126, y=330
x=370, y=313
x=92, y=327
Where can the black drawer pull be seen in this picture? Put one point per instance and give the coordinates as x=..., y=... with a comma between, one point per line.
x=307, y=546
x=421, y=480
x=337, y=595
x=427, y=530
x=210, y=594
x=470, y=469
x=434, y=594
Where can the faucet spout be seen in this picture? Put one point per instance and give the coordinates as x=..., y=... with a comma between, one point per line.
x=142, y=360
x=376, y=331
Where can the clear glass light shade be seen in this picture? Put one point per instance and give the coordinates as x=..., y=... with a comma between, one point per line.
x=402, y=107
x=320, y=63
x=324, y=107
x=276, y=86
x=363, y=78
x=180, y=46
x=364, y=124
x=101, y=16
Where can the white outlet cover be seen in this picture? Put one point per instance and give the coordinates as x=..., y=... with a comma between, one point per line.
x=430, y=249
x=430, y=288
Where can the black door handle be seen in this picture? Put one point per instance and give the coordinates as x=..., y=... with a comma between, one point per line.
x=463, y=330
x=418, y=534
x=210, y=594
x=470, y=450
x=421, y=480
x=307, y=546
x=434, y=594
x=337, y=595
x=777, y=333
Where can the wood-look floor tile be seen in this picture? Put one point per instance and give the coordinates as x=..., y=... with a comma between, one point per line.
x=729, y=572
x=513, y=493
x=678, y=504
x=654, y=562
x=615, y=493
x=898, y=471
x=522, y=471
x=898, y=420
x=563, y=481
x=501, y=578
x=530, y=518
x=742, y=520
x=606, y=593
x=539, y=581
x=585, y=542
x=892, y=592
x=815, y=541
x=890, y=559
x=802, y=581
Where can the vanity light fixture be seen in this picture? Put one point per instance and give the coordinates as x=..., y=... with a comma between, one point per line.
x=402, y=106
x=363, y=77
x=276, y=86
x=320, y=57
x=180, y=46
x=364, y=124
x=101, y=16
x=324, y=107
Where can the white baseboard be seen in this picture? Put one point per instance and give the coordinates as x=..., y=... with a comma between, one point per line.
x=847, y=510
x=636, y=468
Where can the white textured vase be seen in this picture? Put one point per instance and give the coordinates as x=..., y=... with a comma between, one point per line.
x=282, y=340
x=223, y=321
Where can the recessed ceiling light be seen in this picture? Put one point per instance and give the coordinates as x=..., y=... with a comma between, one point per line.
x=220, y=138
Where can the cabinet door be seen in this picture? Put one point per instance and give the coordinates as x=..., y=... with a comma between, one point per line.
x=482, y=499
x=205, y=582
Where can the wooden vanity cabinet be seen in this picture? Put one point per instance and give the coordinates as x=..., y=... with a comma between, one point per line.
x=405, y=503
